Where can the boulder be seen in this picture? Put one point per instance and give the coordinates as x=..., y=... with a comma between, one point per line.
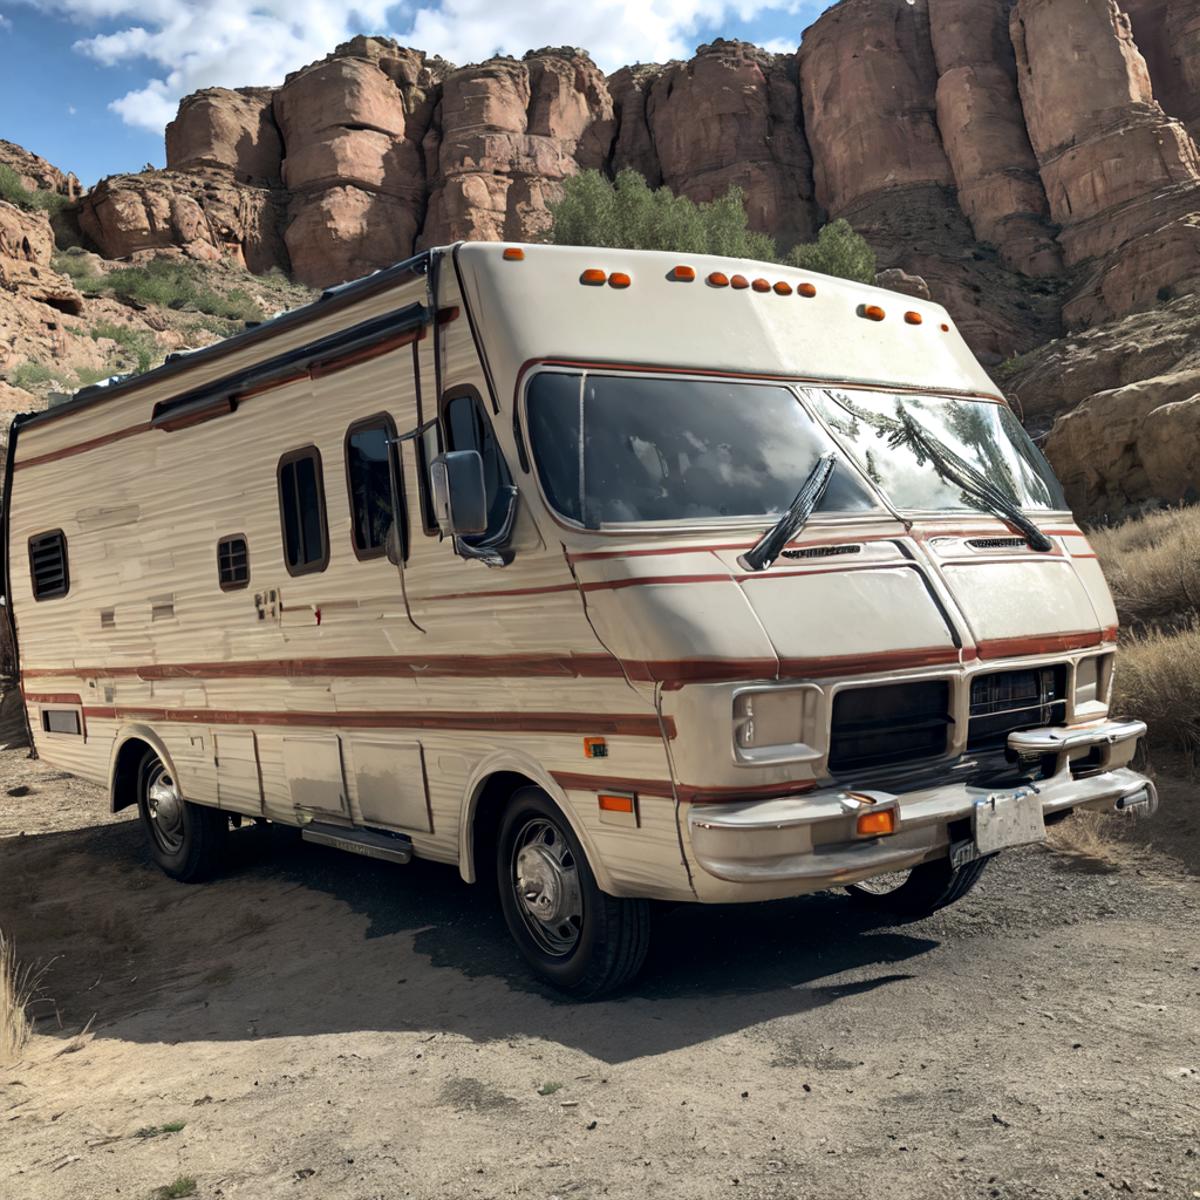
x=634, y=148
x=36, y=173
x=203, y=211
x=896, y=280
x=219, y=127
x=26, y=244
x=1106, y=461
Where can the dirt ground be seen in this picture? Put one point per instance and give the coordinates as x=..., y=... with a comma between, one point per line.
x=318, y=1025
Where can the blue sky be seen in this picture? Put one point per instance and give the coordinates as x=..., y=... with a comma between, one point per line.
x=90, y=84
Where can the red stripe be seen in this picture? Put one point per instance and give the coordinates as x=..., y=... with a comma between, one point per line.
x=53, y=698
x=687, y=793
x=1021, y=647
x=848, y=539
x=79, y=447
x=628, y=724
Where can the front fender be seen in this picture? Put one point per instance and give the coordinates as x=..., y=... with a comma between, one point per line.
x=132, y=733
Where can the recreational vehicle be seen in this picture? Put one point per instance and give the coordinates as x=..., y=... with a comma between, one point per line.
x=609, y=577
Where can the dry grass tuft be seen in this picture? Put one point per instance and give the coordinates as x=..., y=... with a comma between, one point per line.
x=1153, y=567
x=18, y=987
x=1085, y=835
x=1158, y=680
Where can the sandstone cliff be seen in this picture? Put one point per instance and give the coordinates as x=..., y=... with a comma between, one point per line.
x=1032, y=160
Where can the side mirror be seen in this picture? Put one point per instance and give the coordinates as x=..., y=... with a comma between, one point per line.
x=459, y=494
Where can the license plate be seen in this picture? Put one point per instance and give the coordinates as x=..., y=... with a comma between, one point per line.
x=1008, y=819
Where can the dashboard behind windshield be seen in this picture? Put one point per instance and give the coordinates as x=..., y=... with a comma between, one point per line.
x=623, y=449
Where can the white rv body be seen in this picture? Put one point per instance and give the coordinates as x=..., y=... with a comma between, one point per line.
x=404, y=702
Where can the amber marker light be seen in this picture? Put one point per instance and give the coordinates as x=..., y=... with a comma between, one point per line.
x=514, y=254
x=872, y=312
x=595, y=747
x=594, y=276
x=808, y=290
x=618, y=279
x=945, y=328
x=618, y=804
x=716, y=279
x=683, y=274
x=739, y=283
x=761, y=285
x=875, y=824
x=913, y=318
x=783, y=289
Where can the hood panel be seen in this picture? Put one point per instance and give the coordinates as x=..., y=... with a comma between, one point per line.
x=834, y=614
x=1003, y=600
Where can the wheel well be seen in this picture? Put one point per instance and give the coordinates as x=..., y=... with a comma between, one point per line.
x=125, y=773
x=489, y=811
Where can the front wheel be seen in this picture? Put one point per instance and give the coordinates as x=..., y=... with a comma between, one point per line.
x=186, y=840
x=920, y=891
x=575, y=937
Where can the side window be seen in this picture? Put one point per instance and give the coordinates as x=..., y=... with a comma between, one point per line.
x=370, y=471
x=48, y=565
x=468, y=428
x=302, y=512
x=233, y=563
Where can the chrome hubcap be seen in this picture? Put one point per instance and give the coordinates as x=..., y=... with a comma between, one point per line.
x=884, y=885
x=165, y=808
x=545, y=879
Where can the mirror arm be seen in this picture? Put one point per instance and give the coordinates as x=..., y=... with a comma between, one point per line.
x=494, y=551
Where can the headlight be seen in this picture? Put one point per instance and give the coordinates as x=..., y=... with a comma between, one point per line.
x=774, y=724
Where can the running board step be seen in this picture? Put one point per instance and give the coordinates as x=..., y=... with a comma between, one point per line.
x=391, y=847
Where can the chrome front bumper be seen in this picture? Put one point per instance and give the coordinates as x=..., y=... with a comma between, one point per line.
x=810, y=840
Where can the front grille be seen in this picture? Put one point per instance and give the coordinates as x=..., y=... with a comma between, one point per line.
x=896, y=723
x=1010, y=700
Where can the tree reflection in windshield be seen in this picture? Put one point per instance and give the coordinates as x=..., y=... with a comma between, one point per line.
x=984, y=434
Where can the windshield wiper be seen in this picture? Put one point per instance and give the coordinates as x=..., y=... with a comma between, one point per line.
x=768, y=547
x=973, y=482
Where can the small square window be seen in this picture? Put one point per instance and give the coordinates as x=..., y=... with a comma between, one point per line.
x=48, y=565
x=233, y=562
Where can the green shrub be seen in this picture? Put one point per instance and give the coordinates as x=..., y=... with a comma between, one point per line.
x=839, y=251
x=30, y=375
x=15, y=192
x=178, y=285
x=628, y=213
x=78, y=268
x=139, y=343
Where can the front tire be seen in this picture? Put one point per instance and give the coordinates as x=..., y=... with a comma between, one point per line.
x=921, y=891
x=186, y=840
x=575, y=937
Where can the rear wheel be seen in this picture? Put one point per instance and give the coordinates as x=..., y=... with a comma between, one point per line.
x=186, y=840
x=575, y=937
x=921, y=890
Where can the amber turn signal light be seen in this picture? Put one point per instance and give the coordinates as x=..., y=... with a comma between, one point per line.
x=783, y=289
x=618, y=279
x=716, y=279
x=761, y=285
x=621, y=804
x=594, y=276
x=945, y=328
x=872, y=312
x=514, y=254
x=739, y=282
x=875, y=824
x=806, y=289
x=913, y=318
x=683, y=274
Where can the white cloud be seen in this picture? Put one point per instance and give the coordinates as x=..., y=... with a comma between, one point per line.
x=5, y=23
x=191, y=44
x=615, y=32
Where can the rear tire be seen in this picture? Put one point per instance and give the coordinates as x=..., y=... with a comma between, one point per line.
x=575, y=937
x=186, y=840
x=928, y=887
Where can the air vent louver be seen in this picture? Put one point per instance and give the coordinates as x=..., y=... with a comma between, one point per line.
x=48, y=565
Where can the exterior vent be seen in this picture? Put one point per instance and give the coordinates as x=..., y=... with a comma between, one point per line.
x=822, y=551
x=1005, y=543
x=48, y=565
x=887, y=726
x=1006, y=701
x=233, y=563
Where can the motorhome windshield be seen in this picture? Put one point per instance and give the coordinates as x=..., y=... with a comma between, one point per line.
x=876, y=429
x=616, y=449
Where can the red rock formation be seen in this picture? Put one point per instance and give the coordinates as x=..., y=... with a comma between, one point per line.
x=203, y=212
x=731, y=115
x=36, y=173
x=222, y=128
x=1122, y=179
x=634, y=148
x=26, y=244
x=1167, y=32
x=983, y=131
